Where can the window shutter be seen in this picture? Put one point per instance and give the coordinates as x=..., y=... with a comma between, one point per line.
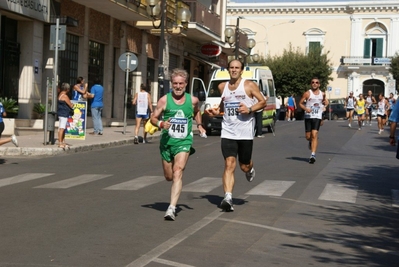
x=367, y=47
x=380, y=47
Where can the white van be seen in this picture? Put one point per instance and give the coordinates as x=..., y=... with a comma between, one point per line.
x=210, y=97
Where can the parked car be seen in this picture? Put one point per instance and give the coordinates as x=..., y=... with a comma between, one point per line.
x=337, y=111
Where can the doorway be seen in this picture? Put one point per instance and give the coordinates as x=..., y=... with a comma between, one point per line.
x=375, y=86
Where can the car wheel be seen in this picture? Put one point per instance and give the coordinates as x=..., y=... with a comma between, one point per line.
x=335, y=117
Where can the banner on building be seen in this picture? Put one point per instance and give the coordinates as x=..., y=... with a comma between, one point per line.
x=76, y=124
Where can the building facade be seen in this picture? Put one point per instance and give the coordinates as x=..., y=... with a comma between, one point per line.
x=361, y=37
x=98, y=32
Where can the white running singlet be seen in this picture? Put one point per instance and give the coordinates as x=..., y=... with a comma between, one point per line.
x=315, y=103
x=381, y=107
x=350, y=103
x=142, y=103
x=237, y=126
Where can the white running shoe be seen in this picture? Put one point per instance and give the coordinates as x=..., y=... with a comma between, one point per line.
x=250, y=175
x=170, y=214
x=312, y=159
x=349, y=125
x=227, y=204
x=14, y=140
x=289, y=120
x=293, y=119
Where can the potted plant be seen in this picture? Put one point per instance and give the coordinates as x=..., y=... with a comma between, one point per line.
x=10, y=106
x=39, y=109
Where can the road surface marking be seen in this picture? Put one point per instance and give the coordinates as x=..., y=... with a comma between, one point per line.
x=203, y=185
x=137, y=183
x=78, y=180
x=177, y=239
x=340, y=193
x=271, y=188
x=395, y=198
x=23, y=178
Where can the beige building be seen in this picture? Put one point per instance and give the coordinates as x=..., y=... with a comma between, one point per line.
x=97, y=33
x=361, y=36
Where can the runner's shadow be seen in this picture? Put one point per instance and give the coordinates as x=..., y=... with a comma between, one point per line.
x=163, y=206
x=298, y=159
x=216, y=200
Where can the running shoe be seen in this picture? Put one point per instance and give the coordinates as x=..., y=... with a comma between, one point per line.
x=136, y=140
x=170, y=214
x=250, y=175
x=349, y=125
x=312, y=159
x=227, y=204
x=14, y=140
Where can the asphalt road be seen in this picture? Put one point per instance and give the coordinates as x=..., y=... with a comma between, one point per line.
x=106, y=207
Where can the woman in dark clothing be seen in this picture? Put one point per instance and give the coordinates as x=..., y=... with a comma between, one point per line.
x=64, y=107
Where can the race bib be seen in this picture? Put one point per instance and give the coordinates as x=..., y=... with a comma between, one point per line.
x=231, y=109
x=179, y=127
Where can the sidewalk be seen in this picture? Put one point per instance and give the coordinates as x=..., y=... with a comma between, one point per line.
x=33, y=145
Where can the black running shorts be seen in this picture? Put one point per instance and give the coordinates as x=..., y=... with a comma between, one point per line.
x=240, y=148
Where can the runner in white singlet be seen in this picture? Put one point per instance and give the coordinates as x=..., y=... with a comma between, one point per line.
x=238, y=103
x=315, y=101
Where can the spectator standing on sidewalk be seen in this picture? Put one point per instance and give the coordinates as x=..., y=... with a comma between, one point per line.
x=142, y=100
x=64, y=106
x=394, y=119
x=79, y=90
x=391, y=101
x=350, y=103
x=240, y=98
x=278, y=107
x=13, y=138
x=315, y=102
x=178, y=109
x=259, y=120
x=291, y=107
x=97, y=93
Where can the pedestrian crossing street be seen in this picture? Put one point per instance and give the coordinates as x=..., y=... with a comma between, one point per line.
x=275, y=188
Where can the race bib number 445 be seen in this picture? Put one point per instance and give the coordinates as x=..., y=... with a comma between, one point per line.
x=179, y=128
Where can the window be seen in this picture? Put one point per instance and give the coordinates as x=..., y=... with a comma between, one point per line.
x=314, y=39
x=68, y=60
x=96, y=62
x=374, y=43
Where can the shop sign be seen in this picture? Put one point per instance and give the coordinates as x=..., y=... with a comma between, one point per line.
x=211, y=50
x=36, y=9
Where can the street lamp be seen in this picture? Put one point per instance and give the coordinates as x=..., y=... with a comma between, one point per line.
x=179, y=19
x=233, y=38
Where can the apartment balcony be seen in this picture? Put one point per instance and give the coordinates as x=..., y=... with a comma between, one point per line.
x=204, y=26
x=364, y=64
x=123, y=10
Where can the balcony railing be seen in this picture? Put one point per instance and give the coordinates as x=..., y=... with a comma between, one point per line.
x=363, y=61
x=202, y=16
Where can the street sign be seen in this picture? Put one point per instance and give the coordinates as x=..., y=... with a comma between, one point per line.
x=128, y=61
x=329, y=88
x=61, y=37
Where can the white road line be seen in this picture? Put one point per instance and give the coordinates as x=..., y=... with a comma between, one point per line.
x=203, y=185
x=137, y=183
x=78, y=180
x=271, y=188
x=339, y=193
x=23, y=178
x=395, y=198
x=175, y=240
x=172, y=263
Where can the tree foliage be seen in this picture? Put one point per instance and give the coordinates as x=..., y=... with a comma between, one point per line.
x=395, y=69
x=294, y=69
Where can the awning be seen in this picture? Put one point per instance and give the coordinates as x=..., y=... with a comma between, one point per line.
x=213, y=65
